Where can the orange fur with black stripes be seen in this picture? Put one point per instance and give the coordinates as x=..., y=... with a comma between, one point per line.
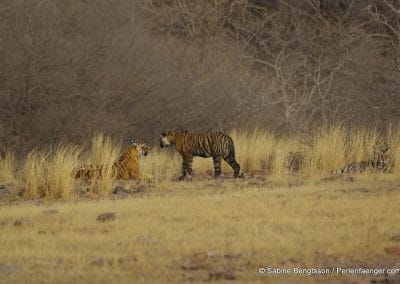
x=217, y=145
x=127, y=166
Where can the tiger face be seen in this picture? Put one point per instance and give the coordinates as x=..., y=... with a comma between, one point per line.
x=381, y=158
x=379, y=162
x=167, y=139
x=126, y=167
x=142, y=148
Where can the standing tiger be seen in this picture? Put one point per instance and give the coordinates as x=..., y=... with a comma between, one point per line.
x=217, y=145
x=379, y=162
x=127, y=166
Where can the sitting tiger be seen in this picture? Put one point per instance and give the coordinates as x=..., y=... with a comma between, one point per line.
x=379, y=163
x=127, y=166
x=217, y=145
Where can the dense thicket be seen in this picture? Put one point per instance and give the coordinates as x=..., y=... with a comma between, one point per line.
x=135, y=68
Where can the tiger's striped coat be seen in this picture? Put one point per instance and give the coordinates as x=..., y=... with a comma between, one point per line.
x=127, y=166
x=379, y=162
x=217, y=145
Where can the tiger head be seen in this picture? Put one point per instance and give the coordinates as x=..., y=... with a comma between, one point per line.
x=381, y=157
x=167, y=139
x=142, y=148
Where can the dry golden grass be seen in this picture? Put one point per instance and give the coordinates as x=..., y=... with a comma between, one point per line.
x=260, y=153
x=49, y=174
x=161, y=164
x=103, y=151
x=8, y=166
x=394, y=143
x=34, y=174
x=195, y=231
x=59, y=179
x=206, y=229
x=253, y=159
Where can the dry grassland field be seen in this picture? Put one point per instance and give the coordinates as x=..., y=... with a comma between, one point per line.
x=279, y=222
x=308, y=91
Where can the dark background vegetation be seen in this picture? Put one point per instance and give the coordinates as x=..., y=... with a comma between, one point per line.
x=69, y=68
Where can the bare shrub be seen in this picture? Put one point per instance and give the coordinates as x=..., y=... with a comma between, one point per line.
x=322, y=61
x=134, y=68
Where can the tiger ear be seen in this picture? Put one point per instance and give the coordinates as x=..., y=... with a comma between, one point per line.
x=163, y=134
x=133, y=143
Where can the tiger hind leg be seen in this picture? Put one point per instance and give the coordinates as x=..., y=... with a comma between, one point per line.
x=217, y=166
x=230, y=159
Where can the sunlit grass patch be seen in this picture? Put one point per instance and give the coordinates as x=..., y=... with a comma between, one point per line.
x=60, y=181
x=8, y=168
x=314, y=225
x=103, y=152
x=49, y=174
x=34, y=174
x=259, y=152
x=162, y=164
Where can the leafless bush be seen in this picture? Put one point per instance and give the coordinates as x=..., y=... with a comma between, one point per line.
x=324, y=61
x=134, y=68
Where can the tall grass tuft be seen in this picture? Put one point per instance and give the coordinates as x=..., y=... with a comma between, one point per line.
x=361, y=144
x=393, y=139
x=328, y=151
x=34, y=174
x=49, y=174
x=103, y=151
x=162, y=164
x=59, y=180
x=8, y=168
x=254, y=158
x=260, y=152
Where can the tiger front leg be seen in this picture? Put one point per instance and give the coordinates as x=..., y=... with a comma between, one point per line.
x=186, y=166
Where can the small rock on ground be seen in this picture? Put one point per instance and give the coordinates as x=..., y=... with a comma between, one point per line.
x=22, y=222
x=102, y=262
x=50, y=211
x=221, y=274
x=4, y=190
x=8, y=268
x=107, y=216
x=120, y=191
x=392, y=250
